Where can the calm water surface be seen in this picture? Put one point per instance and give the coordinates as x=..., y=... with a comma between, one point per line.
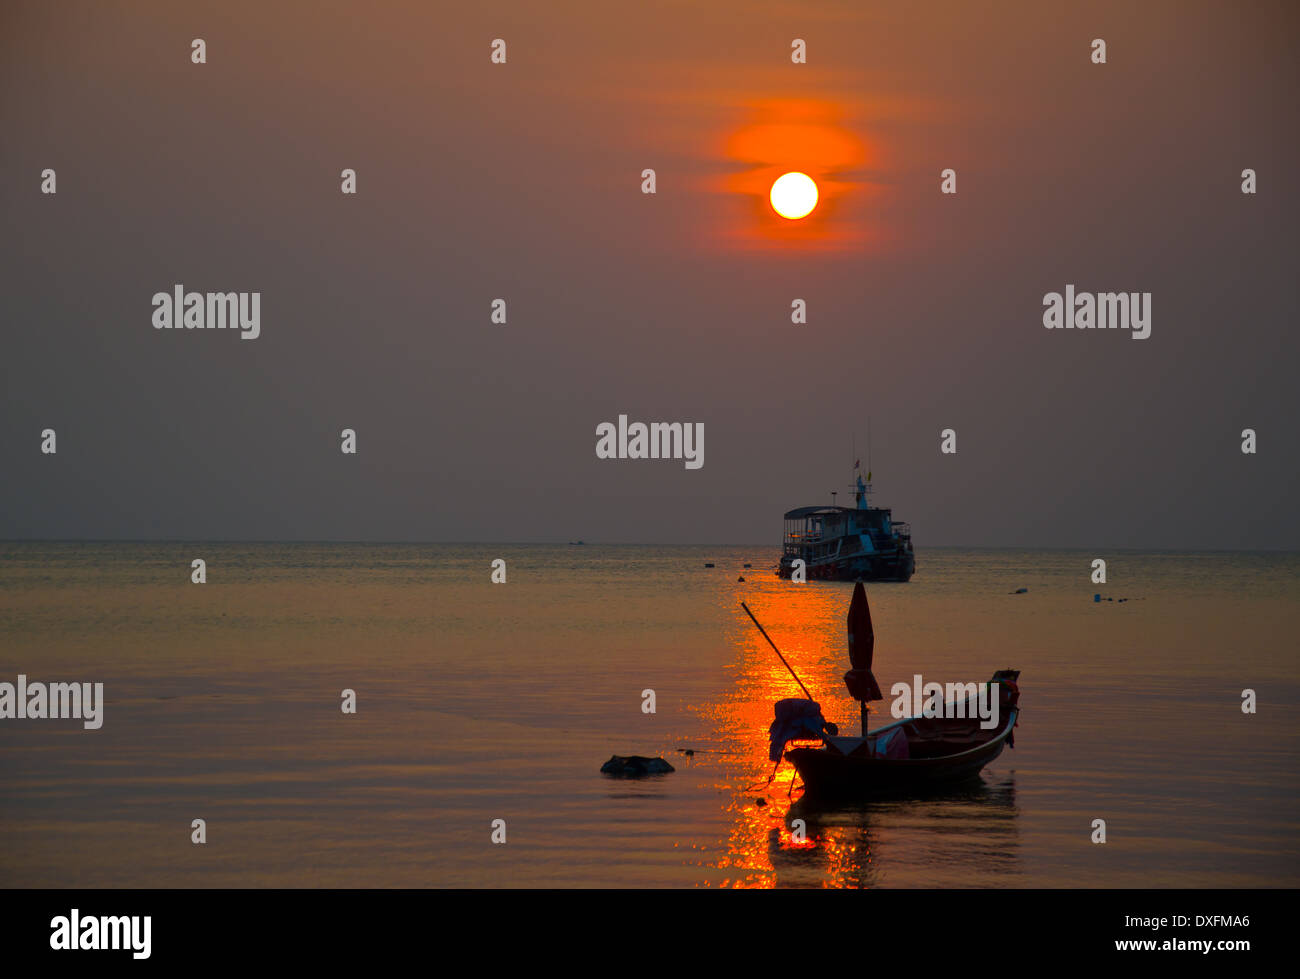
x=481, y=701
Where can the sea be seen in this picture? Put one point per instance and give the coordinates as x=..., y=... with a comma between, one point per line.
x=484, y=711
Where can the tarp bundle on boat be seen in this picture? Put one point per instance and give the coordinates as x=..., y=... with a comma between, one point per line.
x=796, y=718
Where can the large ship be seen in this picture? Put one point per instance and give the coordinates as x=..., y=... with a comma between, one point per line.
x=848, y=543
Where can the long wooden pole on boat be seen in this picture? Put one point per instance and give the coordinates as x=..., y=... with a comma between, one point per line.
x=778, y=652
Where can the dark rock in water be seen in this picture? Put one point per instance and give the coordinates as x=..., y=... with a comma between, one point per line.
x=689, y=752
x=1020, y=591
x=708, y=564
x=741, y=578
x=760, y=802
x=635, y=766
x=748, y=565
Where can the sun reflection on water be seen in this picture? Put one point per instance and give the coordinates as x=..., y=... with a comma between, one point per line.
x=965, y=837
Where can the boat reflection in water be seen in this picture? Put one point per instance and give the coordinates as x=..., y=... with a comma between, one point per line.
x=959, y=836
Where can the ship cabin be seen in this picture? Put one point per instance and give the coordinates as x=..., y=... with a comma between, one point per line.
x=815, y=533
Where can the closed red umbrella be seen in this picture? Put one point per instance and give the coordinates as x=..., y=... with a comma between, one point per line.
x=862, y=645
x=862, y=638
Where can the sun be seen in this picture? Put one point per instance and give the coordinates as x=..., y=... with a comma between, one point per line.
x=794, y=195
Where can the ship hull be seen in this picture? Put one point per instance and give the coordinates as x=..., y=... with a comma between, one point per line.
x=895, y=566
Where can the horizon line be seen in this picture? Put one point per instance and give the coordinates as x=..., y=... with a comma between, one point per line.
x=585, y=543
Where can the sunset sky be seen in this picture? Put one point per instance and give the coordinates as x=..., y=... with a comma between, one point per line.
x=522, y=181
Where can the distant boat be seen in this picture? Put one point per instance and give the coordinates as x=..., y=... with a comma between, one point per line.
x=848, y=543
x=911, y=755
x=576, y=543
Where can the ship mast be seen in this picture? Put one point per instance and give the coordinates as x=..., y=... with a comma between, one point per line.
x=860, y=487
x=867, y=492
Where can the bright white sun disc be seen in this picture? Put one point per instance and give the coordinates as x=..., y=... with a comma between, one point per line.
x=794, y=195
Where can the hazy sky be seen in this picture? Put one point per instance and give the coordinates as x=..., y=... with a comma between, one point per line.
x=522, y=181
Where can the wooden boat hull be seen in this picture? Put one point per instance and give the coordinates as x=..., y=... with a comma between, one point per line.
x=828, y=774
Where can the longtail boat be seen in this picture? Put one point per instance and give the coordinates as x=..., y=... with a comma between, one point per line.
x=938, y=747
